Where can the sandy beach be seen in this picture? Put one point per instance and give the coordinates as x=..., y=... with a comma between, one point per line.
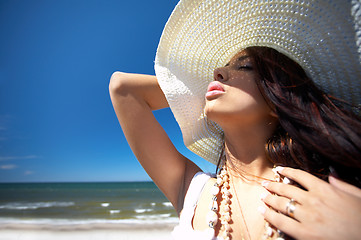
x=86, y=232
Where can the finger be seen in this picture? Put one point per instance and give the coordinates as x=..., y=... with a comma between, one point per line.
x=343, y=186
x=303, y=178
x=288, y=191
x=281, y=204
x=287, y=225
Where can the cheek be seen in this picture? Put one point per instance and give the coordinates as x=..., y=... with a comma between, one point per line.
x=239, y=106
x=246, y=102
x=242, y=102
x=248, y=94
x=250, y=104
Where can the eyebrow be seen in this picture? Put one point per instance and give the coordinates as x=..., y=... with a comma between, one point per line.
x=241, y=58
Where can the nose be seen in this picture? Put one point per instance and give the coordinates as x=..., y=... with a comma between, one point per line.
x=220, y=74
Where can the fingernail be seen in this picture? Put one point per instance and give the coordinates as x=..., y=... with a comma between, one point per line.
x=279, y=169
x=286, y=180
x=264, y=195
x=265, y=183
x=261, y=209
x=333, y=172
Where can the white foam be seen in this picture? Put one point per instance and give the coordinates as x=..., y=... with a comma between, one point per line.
x=155, y=216
x=114, y=211
x=105, y=204
x=35, y=205
x=141, y=210
x=152, y=204
x=167, y=204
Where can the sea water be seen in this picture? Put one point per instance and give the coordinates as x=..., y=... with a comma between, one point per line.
x=69, y=203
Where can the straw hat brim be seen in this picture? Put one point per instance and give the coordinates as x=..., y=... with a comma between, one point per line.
x=322, y=36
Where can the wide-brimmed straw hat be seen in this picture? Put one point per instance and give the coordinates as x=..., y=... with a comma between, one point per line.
x=322, y=36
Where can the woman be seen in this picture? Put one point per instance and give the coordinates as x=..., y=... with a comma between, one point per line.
x=259, y=109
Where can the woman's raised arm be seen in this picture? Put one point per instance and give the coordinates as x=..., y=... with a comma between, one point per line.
x=134, y=96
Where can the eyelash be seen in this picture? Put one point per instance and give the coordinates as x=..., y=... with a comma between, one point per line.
x=242, y=67
x=245, y=67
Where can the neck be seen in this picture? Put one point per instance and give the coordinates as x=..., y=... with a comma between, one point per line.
x=245, y=150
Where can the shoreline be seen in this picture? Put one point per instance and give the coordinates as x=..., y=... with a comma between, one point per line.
x=88, y=226
x=90, y=231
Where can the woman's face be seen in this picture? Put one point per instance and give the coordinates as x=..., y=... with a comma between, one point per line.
x=234, y=95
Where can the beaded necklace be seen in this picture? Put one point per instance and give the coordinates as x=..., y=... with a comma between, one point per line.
x=222, y=185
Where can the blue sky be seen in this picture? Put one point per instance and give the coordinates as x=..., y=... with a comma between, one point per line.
x=56, y=57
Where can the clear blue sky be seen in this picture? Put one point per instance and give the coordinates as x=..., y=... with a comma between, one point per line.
x=56, y=57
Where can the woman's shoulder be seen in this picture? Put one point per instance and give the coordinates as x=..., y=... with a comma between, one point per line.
x=195, y=208
x=204, y=201
x=200, y=181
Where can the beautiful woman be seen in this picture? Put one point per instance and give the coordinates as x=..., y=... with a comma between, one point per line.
x=269, y=92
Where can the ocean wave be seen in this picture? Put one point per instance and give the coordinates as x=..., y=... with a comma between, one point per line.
x=155, y=216
x=35, y=205
x=167, y=204
x=143, y=210
x=105, y=204
x=114, y=211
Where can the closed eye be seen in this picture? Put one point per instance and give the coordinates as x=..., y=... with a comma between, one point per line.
x=245, y=67
x=241, y=63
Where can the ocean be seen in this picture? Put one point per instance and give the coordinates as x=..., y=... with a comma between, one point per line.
x=84, y=203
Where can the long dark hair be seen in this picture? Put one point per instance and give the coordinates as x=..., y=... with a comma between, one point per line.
x=316, y=132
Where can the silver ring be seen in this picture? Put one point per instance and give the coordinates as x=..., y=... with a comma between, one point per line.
x=290, y=208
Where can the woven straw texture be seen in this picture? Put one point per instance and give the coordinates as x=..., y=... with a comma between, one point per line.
x=323, y=36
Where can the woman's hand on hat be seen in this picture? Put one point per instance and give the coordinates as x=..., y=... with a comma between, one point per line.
x=321, y=211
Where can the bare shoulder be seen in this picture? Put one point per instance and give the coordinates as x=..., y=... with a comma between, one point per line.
x=202, y=209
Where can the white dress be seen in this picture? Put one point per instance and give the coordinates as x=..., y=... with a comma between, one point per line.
x=184, y=230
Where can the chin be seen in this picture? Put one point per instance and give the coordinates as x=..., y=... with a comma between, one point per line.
x=216, y=114
x=210, y=108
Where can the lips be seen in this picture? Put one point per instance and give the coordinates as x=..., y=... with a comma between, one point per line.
x=214, y=88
